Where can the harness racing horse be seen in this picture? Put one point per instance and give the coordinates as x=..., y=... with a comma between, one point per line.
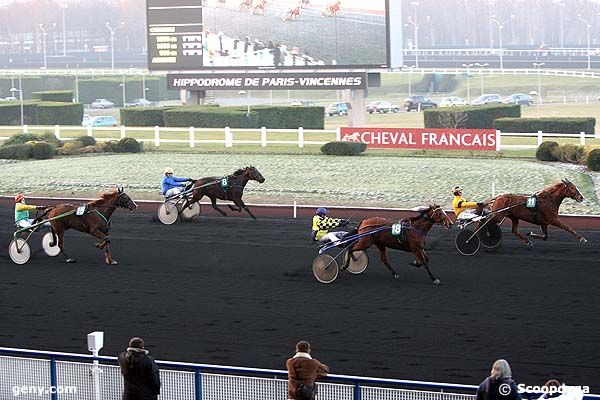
x=95, y=220
x=229, y=188
x=543, y=213
x=412, y=238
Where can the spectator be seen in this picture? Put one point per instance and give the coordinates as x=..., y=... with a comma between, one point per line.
x=277, y=55
x=140, y=373
x=499, y=385
x=303, y=371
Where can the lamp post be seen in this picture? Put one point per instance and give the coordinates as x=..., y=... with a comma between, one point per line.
x=411, y=68
x=481, y=74
x=112, y=42
x=123, y=91
x=561, y=7
x=500, y=30
x=415, y=25
x=491, y=14
x=64, y=29
x=44, y=37
x=539, y=102
x=13, y=90
x=589, y=27
x=468, y=67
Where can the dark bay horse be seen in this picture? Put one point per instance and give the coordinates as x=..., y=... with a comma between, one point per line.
x=95, y=220
x=543, y=214
x=412, y=239
x=230, y=187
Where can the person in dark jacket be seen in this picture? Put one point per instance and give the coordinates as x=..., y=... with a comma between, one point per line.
x=499, y=385
x=303, y=371
x=140, y=373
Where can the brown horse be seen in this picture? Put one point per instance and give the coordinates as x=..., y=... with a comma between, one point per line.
x=95, y=220
x=412, y=238
x=230, y=187
x=543, y=214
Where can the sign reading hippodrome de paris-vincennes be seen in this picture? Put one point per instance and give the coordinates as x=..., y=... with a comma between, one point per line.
x=268, y=81
x=423, y=139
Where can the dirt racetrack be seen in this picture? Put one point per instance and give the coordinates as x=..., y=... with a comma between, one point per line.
x=240, y=292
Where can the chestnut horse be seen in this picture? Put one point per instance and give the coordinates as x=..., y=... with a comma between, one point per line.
x=95, y=220
x=544, y=213
x=412, y=240
x=230, y=187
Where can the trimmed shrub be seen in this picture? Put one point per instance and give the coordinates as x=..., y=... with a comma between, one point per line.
x=42, y=151
x=593, y=160
x=210, y=117
x=470, y=117
x=128, y=145
x=343, y=148
x=54, y=113
x=290, y=117
x=86, y=141
x=142, y=116
x=16, y=151
x=20, y=138
x=64, y=96
x=69, y=148
x=550, y=125
x=49, y=138
x=570, y=153
x=547, y=151
x=10, y=113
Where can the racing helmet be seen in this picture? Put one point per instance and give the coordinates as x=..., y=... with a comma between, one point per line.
x=169, y=170
x=322, y=211
x=19, y=197
x=456, y=190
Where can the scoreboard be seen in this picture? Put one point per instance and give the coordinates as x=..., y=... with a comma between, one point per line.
x=174, y=34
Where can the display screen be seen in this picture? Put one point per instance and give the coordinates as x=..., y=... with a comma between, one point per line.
x=278, y=34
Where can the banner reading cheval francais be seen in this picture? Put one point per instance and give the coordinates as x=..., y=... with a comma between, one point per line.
x=423, y=139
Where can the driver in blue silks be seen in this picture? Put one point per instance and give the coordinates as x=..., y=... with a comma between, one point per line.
x=172, y=185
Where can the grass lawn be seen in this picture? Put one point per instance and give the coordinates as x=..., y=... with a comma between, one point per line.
x=305, y=178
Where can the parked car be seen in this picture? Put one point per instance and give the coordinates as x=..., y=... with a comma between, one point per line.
x=102, y=103
x=519, y=98
x=303, y=103
x=99, y=121
x=487, y=99
x=10, y=98
x=337, y=109
x=453, y=102
x=418, y=103
x=139, y=103
x=382, y=107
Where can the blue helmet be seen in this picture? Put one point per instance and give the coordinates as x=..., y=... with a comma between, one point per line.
x=322, y=211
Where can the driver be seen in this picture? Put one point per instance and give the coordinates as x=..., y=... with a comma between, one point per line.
x=463, y=209
x=171, y=185
x=22, y=219
x=321, y=224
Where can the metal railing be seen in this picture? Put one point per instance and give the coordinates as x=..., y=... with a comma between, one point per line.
x=20, y=368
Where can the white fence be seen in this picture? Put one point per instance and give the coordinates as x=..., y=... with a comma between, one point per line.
x=193, y=136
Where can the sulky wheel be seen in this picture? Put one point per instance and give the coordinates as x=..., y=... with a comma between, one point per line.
x=19, y=251
x=490, y=236
x=168, y=213
x=359, y=264
x=325, y=268
x=467, y=243
x=50, y=244
x=191, y=212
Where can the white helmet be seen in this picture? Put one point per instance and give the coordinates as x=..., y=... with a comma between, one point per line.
x=169, y=170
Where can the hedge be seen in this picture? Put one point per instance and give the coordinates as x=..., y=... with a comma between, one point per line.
x=142, y=116
x=65, y=96
x=54, y=113
x=210, y=117
x=30, y=84
x=343, y=148
x=10, y=113
x=547, y=151
x=290, y=117
x=16, y=152
x=42, y=151
x=470, y=117
x=550, y=125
